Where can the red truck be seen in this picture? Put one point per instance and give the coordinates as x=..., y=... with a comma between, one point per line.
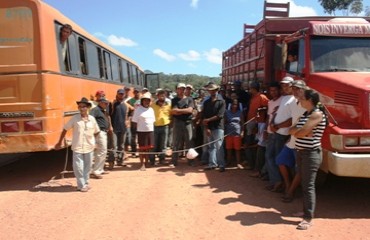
x=332, y=55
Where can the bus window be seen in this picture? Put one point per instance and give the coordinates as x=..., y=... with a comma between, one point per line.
x=120, y=70
x=115, y=70
x=92, y=60
x=82, y=48
x=141, y=78
x=130, y=79
x=17, y=37
x=101, y=65
x=134, y=78
x=71, y=62
x=107, y=64
x=123, y=71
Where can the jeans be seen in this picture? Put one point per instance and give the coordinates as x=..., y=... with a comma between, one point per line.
x=118, y=146
x=275, y=142
x=128, y=137
x=205, y=155
x=215, y=151
x=82, y=167
x=308, y=163
x=182, y=135
x=100, y=153
x=160, y=140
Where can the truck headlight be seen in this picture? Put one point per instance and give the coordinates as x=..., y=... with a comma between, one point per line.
x=364, y=141
x=351, y=141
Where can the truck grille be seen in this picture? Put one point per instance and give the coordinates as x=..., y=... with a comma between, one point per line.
x=346, y=98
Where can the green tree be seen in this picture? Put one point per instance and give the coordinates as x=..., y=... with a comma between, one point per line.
x=367, y=11
x=356, y=7
x=330, y=6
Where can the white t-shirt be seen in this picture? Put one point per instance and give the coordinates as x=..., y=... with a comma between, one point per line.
x=145, y=118
x=297, y=111
x=285, y=112
x=271, y=108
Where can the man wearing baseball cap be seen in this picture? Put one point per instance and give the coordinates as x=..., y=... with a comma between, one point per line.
x=101, y=115
x=182, y=110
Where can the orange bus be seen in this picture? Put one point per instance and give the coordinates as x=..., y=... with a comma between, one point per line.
x=38, y=88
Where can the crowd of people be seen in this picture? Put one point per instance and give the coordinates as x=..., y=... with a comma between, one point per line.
x=276, y=133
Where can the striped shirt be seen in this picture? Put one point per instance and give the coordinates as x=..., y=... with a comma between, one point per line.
x=314, y=141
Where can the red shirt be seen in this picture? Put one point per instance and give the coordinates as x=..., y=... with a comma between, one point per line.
x=257, y=101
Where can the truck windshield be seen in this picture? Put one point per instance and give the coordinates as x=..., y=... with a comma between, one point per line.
x=330, y=54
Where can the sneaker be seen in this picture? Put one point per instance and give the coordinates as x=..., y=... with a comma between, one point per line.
x=209, y=168
x=222, y=169
x=84, y=189
x=304, y=225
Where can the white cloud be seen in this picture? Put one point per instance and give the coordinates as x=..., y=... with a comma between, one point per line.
x=194, y=3
x=116, y=41
x=298, y=11
x=162, y=54
x=214, y=56
x=191, y=55
x=120, y=41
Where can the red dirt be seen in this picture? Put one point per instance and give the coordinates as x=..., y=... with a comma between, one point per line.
x=168, y=203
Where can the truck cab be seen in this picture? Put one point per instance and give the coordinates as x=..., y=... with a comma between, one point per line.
x=332, y=57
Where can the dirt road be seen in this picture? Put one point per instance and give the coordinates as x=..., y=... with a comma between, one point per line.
x=168, y=203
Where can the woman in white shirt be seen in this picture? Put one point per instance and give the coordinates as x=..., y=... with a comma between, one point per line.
x=144, y=118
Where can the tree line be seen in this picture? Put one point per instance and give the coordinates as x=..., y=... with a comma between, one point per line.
x=348, y=7
x=169, y=81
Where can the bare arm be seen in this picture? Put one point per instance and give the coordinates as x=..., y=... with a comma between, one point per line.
x=61, y=138
x=311, y=123
x=177, y=111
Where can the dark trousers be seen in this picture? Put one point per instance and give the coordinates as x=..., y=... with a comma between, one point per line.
x=308, y=163
x=133, y=138
x=117, y=146
x=160, y=140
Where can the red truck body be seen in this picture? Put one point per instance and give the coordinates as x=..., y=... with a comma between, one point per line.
x=333, y=57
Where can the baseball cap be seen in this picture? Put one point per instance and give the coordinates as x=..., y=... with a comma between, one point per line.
x=120, y=91
x=181, y=85
x=299, y=84
x=146, y=95
x=103, y=99
x=287, y=80
x=189, y=86
x=99, y=92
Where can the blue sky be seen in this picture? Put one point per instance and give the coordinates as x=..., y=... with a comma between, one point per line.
x=174, y=36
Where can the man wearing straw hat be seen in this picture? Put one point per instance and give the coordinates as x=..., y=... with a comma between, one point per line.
x=85, y=130
x=213, y=121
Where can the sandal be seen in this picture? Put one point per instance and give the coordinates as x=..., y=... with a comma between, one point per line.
x=304, y=225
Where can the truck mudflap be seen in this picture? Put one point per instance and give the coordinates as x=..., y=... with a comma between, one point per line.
x=347, y=164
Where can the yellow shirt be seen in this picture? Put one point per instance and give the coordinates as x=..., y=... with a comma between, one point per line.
x=162, y=114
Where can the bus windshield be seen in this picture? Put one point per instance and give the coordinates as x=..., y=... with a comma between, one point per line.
x=340, y=54
x=16, y=36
